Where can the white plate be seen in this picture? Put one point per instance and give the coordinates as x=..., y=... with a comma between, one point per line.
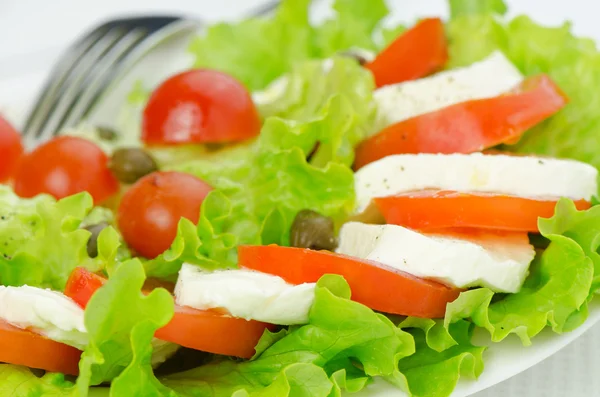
x=502, y=360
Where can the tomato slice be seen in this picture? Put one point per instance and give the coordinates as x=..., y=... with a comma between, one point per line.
x=418, y=52
x=11, y=149
x=440, y=209
x=469, y=126
x=206, y=330
x=372, y=284
x=22, y=347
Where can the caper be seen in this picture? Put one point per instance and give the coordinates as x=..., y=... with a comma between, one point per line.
x=356, y=56
x=130, y=164
x=92, y=244
x=106, y=133
x=312, y=230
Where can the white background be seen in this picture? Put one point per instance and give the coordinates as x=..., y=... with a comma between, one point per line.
x=32, y=33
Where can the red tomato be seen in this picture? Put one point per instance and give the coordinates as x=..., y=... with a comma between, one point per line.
x=468, y=126
x=11, y=149
x=23, y=347
x=64, y=166
x=418, y=52
x=204, y=330
x=434, y=209
x=151, y=209
x=372, y=284
x=200, y=106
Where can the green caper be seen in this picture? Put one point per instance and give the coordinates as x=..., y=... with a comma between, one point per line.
x=355, y=55
x=313, y=230
x=106, y=133
x=92, y=244
x=130, y=164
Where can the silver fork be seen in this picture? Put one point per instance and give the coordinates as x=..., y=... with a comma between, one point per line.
x=89, y=68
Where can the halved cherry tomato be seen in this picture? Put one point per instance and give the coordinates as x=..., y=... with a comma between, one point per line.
x=11, y=149
x=200, y=106
x=22, y=347
x=372, y=284
x=468, y=126
x=207, y=330
x=151, y=209
x=416, y=53
x=434, y=209
x=64, y=166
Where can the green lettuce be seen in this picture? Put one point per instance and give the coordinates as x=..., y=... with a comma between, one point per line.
x=344, y=344
x=261, y=188
x=572, y=62
x=267, y=48
x=41, y=240
x=121, y=322
x=558, y=289
x=16, y=381
x=434, y=372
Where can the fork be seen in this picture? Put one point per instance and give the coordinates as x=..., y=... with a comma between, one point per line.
x=90, y=67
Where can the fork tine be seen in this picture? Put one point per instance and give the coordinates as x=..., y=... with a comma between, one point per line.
x=73, y=82
x=59, y=73
x=100, y=76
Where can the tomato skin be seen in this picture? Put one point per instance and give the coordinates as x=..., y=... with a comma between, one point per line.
x=433, y=209
x=151, y=209
x=65, y=166
x=23, y=347
x=213, y=332
x=11, y=149
x=200, y=106
x=206, y=330
x=469, y=126
x=371, y=284
x=418, y=52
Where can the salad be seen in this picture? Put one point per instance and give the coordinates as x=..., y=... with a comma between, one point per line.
x=308, y=209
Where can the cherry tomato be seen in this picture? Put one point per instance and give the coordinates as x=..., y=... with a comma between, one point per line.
x=151, y=209
x=22, y=347
x=469, y=126
x=416, y=53
x=372, y=284
x=200, y=106
x=205, y=330
x=64, y=166
x=433, y=209
x=11, y=149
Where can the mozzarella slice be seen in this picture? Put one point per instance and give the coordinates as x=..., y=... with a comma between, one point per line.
x=488, y=78
x=499, y=262
x=245, y=294
x=45, y=312
x=512, y=175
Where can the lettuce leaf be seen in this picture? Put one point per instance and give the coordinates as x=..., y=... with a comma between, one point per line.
x=41, y=241
x=557, y=290
x=121, y=322
x=260, y=189
x=460, y=360
x=572, y=62
x=466, y=7
x=343, y=345
x=267, y=48
x=16, y=381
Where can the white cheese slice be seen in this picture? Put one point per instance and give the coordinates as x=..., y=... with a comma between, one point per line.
x=488, y=78
x=499, y=262
x=45, y=312
x=246, y=294
x=512, y=175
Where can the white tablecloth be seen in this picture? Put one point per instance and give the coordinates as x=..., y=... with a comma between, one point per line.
x=29, y=28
